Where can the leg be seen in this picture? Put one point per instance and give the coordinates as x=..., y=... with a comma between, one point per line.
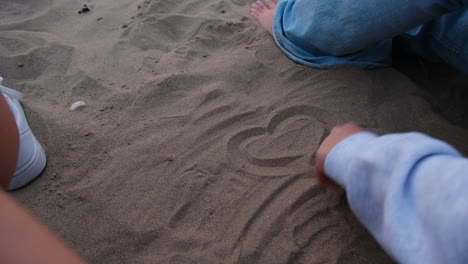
x=31, y=159
x=443, y=40
x=9, y=142
x=326, y=33
x=23, y=239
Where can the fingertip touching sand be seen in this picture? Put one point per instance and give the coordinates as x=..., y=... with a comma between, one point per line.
x=197, y=140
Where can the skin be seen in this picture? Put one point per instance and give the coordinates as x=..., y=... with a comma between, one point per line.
x=337, y=134
x=23, y=238
x=9, y=142
x=263, y=11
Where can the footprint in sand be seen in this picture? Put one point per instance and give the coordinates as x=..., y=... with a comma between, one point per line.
x=216, y=35
x=27, y=55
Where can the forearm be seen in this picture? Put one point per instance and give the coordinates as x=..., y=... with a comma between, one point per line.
x=24, y=240
x=410, y=192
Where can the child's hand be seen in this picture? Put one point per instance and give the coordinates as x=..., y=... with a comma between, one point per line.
x=336, y=135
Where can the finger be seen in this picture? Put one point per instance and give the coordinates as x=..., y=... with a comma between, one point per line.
x=337, y=134
x=323, y=179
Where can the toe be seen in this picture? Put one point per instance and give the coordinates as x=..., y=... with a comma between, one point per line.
x=261, y=4
x=269, y=4
x=254, y=9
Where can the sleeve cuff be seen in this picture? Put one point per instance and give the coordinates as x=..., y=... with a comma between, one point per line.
x=340, y=157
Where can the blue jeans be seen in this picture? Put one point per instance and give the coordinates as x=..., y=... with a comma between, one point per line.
x=329, y=33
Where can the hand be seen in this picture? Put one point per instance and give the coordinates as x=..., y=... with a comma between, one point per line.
x=337, y=134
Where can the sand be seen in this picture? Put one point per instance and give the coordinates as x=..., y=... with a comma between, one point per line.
x=198, y=138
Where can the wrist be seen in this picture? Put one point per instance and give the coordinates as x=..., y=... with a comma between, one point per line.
x=338, y=160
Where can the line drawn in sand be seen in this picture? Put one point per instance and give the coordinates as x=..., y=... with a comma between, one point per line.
x=286, y=145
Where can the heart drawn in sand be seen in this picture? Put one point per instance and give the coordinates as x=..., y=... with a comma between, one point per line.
x=286, y=146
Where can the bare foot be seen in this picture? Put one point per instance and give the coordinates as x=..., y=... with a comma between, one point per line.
x=263, y=11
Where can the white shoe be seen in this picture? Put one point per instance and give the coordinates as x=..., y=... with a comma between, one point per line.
x=31, y=157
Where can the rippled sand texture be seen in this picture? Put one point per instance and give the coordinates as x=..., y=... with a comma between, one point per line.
x=197, y=142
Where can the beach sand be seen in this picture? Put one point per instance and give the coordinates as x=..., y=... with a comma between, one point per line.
x=198, y=138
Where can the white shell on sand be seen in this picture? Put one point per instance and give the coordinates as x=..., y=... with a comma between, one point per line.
x=77, y=105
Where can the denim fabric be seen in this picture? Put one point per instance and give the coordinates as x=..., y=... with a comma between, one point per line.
x=328, y=33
